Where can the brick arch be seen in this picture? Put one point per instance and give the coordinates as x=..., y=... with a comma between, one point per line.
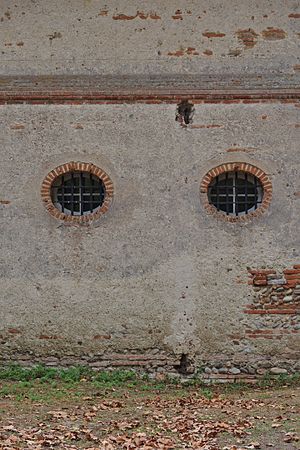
x=233, y=167
x=70, y=167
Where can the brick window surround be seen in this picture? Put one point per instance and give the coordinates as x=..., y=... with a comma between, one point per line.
x=233, y=167
x=82, y=167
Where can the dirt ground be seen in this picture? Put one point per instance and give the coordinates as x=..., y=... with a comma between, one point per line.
x=36, y=415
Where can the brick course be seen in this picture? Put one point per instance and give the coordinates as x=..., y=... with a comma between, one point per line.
x=76, y=90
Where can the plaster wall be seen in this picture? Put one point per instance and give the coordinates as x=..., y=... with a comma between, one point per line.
x=142, y=37
x=155, y=275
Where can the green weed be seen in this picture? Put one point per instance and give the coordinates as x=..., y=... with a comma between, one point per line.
x=116, y=378
x=28, y=378
x=70, y=375
x=207, y=393
x=281, y=380
x=15, y=372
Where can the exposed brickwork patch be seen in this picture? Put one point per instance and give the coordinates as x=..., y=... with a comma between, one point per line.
x=76, y=166
x=14, y=331
x=231, y=167
x=177, y=15
x=189, y=51
x=273, y=34
x=275, y=292
x=278, y=334
x=248, y=37
x=103, y=12
x=102, y=336
x=17, y=126
x=212, y=34
x=213, y=125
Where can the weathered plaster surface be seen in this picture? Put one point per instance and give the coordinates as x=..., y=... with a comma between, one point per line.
x=155, y=277
x=93, y=36
x=155, y=272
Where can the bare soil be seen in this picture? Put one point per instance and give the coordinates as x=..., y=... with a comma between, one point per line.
x=39, y=415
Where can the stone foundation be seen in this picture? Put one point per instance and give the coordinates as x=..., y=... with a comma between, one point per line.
x=158, y=365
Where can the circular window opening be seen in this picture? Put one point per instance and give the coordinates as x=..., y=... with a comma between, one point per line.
x=78, y=193
x=236, y=193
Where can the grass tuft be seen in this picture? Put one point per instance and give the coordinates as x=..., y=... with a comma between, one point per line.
x=74, y=374
x=15, y=372
x=129, y=378
x=281, y=380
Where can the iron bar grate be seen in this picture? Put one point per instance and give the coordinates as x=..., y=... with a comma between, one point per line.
x=78, y=193
x=235, y=193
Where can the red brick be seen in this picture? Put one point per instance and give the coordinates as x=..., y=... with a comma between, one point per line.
x=271, y=311
x=260, y=282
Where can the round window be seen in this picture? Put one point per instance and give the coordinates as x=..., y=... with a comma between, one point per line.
x=235, y=193
x=77, y=192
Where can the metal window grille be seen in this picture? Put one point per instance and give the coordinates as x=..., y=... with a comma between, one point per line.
x=78, y=193
x=235, y=193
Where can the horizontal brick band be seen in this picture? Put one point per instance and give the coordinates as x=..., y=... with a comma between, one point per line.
x=70, y=167
x=156, y=96
x=154, y=89
x=272, y=311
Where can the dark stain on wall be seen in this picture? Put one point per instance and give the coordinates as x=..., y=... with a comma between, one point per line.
x=139, y=14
